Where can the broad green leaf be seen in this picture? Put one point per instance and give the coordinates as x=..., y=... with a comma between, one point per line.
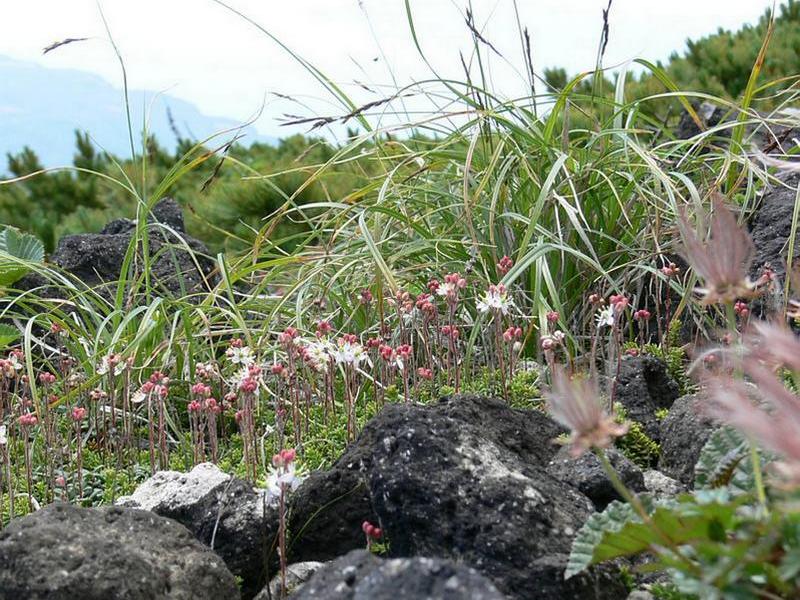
x=8, y=335
x=17, y=251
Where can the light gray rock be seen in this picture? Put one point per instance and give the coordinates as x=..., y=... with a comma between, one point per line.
x=296, y=575
x=661, y=486
x=225, y=513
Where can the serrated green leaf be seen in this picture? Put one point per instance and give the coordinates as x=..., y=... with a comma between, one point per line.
x=620, y=531
x=17, y=251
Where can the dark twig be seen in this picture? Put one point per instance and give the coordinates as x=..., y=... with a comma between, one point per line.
x=64, y=42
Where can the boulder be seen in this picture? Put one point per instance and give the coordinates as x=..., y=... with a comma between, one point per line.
x=661, y=486
x=587, y=474
x=224, y=513
x=464, y=479
x=97, y=259
x=710, y=115
x=361, y=575
x=297, y=574
x=770, y=228
x=643, y=387
x=684, y=432
x=64, y=552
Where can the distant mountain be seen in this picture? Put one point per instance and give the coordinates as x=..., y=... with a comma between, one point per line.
x=42, y=107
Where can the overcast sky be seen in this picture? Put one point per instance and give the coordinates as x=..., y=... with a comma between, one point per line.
x=198, y=50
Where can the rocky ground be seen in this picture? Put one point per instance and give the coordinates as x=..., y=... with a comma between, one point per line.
x=475, y=499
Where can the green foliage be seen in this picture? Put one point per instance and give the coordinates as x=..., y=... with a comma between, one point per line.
x=523, y=387
x=674, y=356
x=621, y=531
x=721, y=459
x=719, y=64
x=635, y=444
x=8, y=335
x=225, y=209
x=669, y=592
x=17, y=253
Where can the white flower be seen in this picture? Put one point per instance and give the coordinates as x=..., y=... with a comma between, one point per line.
x=138, y=396
x=240, y=356
x=350, y=353
x=496, y=298
x=605, y=318
x=107, y=361
x=280, y=479
x=447, y=289
x=205, y=370
x=15, y=362
x=3, y=435
x=319, y=354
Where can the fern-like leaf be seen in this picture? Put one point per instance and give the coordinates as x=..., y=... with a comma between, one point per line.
x=723, y=455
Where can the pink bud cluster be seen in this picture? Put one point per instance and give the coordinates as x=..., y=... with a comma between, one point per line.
x=323, y=328
x=28, y=420
x=741, y=309
x=284, y=458
x=158, y=384
x=450, y=332
x=287, y=336
x=425, y=373
x=371, y=531
x=47, y=378
x=512, y=334
x=504, y=265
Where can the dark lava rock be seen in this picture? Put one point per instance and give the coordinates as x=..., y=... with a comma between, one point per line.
x=96, y=259
x=464, y=479
x=362, y=576
x=587, y=474
x=224, y=513
x=328, y=510
x=684, y=432
x=643, y=387
x=710, y=115
x=63, y=552
x=771, y=227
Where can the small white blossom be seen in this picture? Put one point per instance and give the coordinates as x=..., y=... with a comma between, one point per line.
x=496, y=298
x=240, y=356
x=447, y=289
x=15, y=362
x=605, y=318
x=3, y=435
x=138, y=396
x=205, y=370
x=282, y=478
x=319, y=354
x=105, y=364
x=350, y=353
